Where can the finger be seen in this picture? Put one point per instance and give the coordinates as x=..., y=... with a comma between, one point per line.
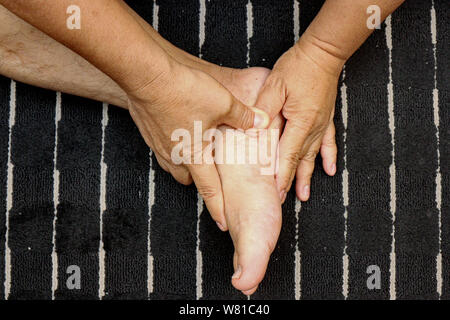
x=271, y=97
x=243, y=117
x=304, y=173
x=290, y=151
x=328, y=150
x=162, y=163
x=207, y=181
x=179, y=173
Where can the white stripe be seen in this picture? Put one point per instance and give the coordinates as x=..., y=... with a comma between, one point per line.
x=151, y=188
x=202, y=25
x=393, y=203
x=55, y=197
x=296, y=20
x=151, y=201
x=103, y=170
x=199, y=266
x=345, y=262
x=9, y=189
x=249, y=36
x=155, y=15
x=298, y=256
x=249, y=28
x=298, y=204
x=438, y=169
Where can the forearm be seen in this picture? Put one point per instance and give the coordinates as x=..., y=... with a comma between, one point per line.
x=109, y=38
x=341, y=28
x=30, y=56
x=175, y=52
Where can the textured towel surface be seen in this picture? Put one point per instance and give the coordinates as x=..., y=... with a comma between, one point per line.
x=78, y=185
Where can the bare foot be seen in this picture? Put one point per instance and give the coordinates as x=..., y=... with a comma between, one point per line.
x=252, y=202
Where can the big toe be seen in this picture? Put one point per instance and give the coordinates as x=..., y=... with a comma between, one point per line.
x=253, y=247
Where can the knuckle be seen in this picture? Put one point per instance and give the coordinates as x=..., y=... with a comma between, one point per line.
x=246, y=118
x=312, y=121
x=274, y=82
x=283, y=181
x=310, y=156
x=184, y=178
x=330, y=142
x=207, y=192
x=317, y=118
x=304, y=123
x=292, y=158
x=274, y=92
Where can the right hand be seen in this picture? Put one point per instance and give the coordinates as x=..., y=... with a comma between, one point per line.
x=174, y=100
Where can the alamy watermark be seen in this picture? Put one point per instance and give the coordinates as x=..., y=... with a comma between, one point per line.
x=73, y=282
x=73, y=22
x=374, y=280
x=226, y=146
x=374, y=19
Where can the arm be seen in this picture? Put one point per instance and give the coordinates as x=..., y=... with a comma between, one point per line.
x=303, y=84
x=340, y=28
x=30, y=56
x=163, y=95
x=109, y=38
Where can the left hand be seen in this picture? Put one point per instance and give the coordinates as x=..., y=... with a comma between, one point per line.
x=303, y=85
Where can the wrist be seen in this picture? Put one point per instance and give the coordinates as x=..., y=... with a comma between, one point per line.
x=152, y=76
x=327, y=56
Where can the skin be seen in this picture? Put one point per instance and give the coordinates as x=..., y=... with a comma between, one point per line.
x=303, y=86
x=162, y=94
x=253, y=215
x=27, y=52
x=253, y=212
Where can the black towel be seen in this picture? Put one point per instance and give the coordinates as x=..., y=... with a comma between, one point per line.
x=79, y=187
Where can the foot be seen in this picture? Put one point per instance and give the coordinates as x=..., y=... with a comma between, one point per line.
x=253, y=211
x=252, y=202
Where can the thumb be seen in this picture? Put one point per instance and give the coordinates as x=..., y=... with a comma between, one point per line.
x=271, y=97
x=243, y=117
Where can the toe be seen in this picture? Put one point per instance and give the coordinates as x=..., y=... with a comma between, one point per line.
x=252, y=256
x=250, y=292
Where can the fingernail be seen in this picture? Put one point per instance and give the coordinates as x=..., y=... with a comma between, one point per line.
x=221, y=227
x=306, y=191
x=333, y=168
x=261, y=120
x=237, y=273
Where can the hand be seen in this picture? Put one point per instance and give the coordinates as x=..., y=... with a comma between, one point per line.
x=174, y=100
x=303, y=84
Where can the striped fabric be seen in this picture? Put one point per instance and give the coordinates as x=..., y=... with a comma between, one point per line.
x=78, y=185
